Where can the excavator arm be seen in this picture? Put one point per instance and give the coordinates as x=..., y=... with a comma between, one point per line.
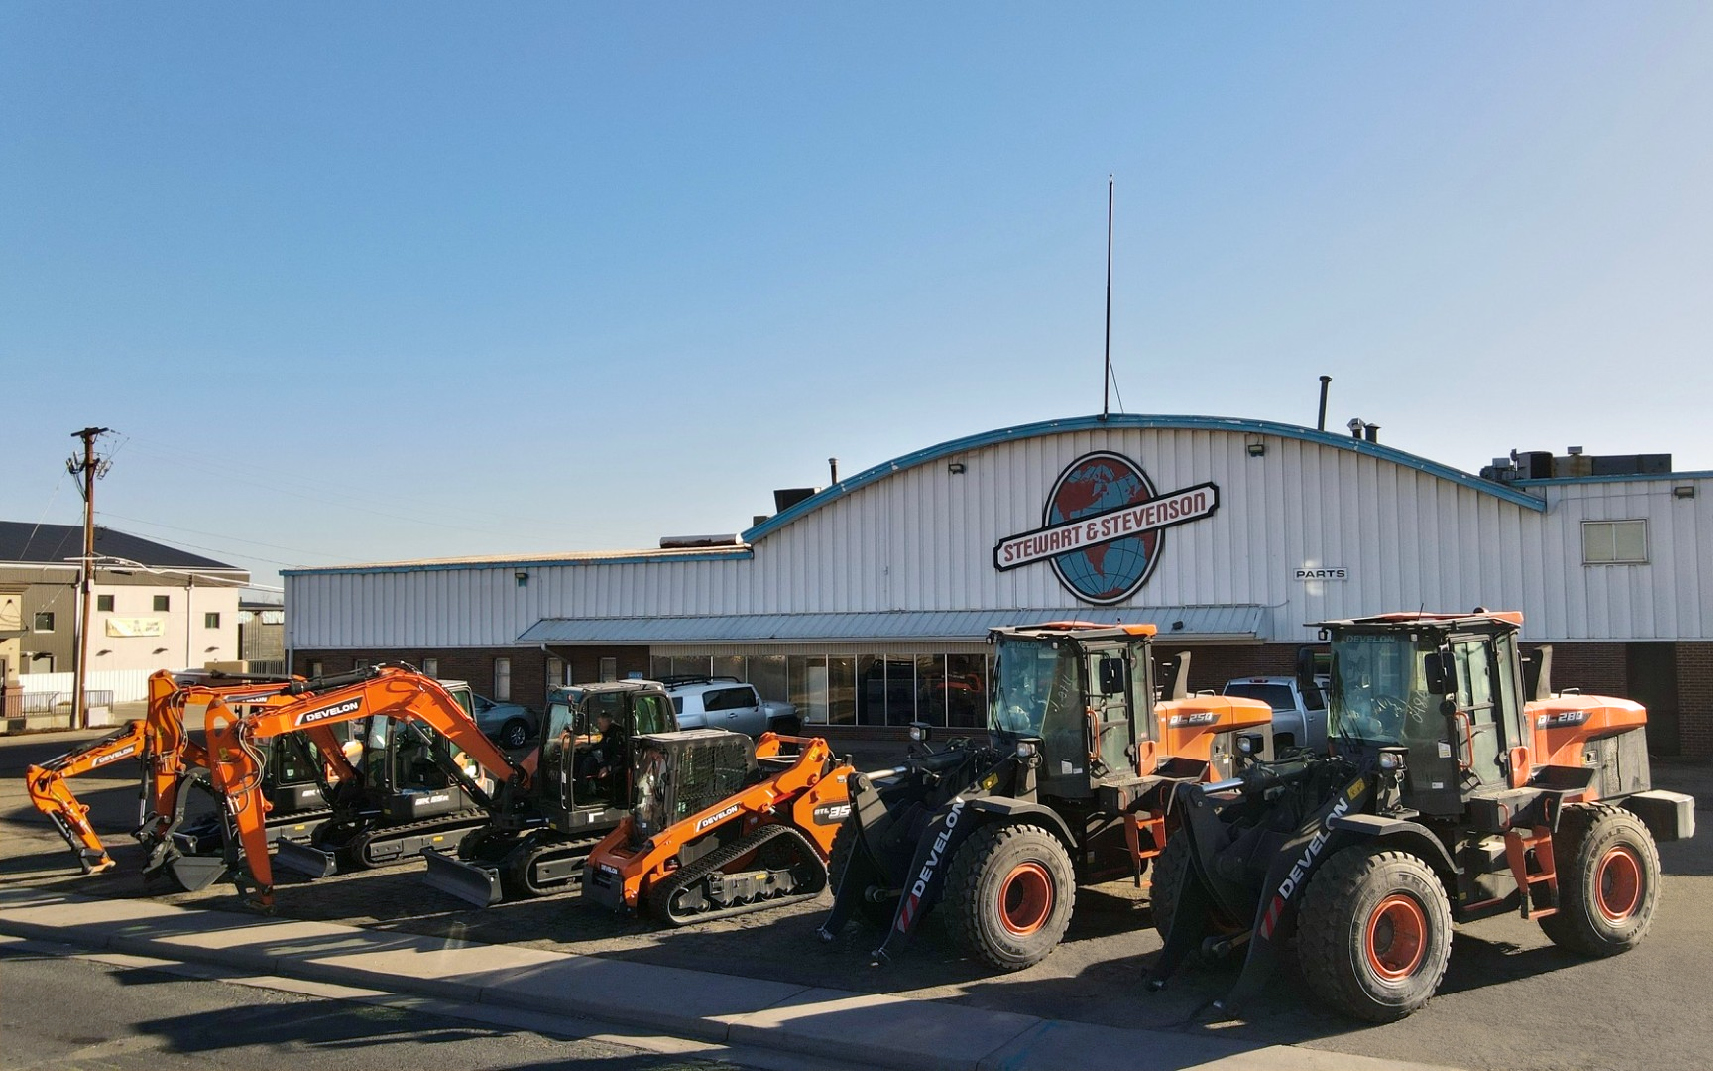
x=236, y=762
x=53, y=797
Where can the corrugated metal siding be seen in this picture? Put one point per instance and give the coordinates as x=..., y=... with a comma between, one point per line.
x=921, y=540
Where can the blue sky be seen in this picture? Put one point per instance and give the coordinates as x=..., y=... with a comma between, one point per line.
x=365, y=282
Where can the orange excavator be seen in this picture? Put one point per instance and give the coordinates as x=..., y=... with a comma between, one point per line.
x=764, y=846
x=1072, y=785
x=236, y=759
x=170, y=761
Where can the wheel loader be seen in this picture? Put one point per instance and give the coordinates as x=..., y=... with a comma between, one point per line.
x=685, y=859
x=1070, y=787
x=1447, y=795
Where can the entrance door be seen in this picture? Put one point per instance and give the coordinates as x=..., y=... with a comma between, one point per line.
x=1653, y=683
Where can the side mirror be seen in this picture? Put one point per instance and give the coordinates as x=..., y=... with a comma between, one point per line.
x=1441, y=675
x=1111, y=676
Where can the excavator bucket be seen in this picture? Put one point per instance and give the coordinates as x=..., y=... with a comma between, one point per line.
x=193, y=872
x=301, y=859
x=473, y=884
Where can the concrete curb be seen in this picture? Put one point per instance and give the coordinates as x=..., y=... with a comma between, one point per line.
x=875, y=1029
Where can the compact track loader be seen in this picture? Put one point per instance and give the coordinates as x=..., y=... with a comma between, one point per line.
x=1072, y=786
x=1447, y=796
x=535, y=843
x=763, y=846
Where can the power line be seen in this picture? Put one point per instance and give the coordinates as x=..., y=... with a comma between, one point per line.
x=223, y=535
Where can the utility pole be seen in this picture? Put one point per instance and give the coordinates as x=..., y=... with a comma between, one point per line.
x=1106, y=384
x=91, y=469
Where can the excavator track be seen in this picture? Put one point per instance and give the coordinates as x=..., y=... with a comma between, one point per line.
x=703, y=891
x=391, y=845
x=542, y=869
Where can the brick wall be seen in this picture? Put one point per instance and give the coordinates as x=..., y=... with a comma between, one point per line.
x=1695, y=699
x=476, y=665
x=1596, y=668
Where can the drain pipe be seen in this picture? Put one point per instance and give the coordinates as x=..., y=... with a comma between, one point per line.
x=1325, y=381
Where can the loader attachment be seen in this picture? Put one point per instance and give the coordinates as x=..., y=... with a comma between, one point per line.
x=478, y=885
x=302, y=859
x=193, y=872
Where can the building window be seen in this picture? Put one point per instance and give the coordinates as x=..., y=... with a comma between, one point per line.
x=163, y=603
x=431, y=667
x=42, y=662
x=315, y=668
x=556, y=672
x=104, y=603
x=210, y=620
x=609, y=670
x=1614, y=542
x=503, y=679
x=44, y=622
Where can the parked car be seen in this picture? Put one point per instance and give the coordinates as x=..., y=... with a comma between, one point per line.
x=1299, y=715
x=728, y=703
x=511, y=725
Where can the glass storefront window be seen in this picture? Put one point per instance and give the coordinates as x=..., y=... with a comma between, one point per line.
x=731, y=666
x=966, y=691
x=767, y=673
x=931, y=689
x=841, y=690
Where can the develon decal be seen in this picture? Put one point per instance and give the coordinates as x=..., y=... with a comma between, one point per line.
x=310, y=717
x=935, y=855
x=720, y=816
x=128, y=749
x=1299, y=870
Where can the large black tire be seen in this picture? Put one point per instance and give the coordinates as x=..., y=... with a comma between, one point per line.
x=1608, y=881
x=1009, y=895
x=838, y=858
x=1170, y=868
x=1374, y=935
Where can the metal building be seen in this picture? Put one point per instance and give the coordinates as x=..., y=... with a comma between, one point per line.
x=868, y=602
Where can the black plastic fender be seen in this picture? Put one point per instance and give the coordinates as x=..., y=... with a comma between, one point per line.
x=1016, y=810
x=1412, y=837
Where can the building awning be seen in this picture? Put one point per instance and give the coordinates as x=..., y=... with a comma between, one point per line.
x=1202, y=624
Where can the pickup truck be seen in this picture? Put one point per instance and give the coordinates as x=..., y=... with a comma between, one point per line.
x=728, y=703
x=1299, y=714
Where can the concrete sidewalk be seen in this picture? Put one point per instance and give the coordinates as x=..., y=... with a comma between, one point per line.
x=880, y=1030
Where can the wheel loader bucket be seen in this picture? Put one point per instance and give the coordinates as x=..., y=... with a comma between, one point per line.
x=476, y=885
x=301, y=859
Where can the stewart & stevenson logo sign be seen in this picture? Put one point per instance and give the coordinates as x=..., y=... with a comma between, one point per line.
x=1103, y=527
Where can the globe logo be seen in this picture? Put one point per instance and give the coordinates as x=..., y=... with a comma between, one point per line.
x=1097, y=484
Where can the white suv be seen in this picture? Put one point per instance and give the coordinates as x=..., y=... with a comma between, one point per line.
x=728, y=703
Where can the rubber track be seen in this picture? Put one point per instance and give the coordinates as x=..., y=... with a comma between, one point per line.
x=362, y=842
x=570, y=849
x=660, y=897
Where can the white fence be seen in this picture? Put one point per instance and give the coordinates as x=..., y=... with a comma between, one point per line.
x=127, y=685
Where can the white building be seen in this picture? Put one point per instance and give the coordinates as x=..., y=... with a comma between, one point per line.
x=868, y=603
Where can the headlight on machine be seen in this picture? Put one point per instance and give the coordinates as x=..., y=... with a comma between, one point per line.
x=1026, y=749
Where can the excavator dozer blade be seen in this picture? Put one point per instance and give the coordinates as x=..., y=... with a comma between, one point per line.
x=302, y=859
x=476, y=885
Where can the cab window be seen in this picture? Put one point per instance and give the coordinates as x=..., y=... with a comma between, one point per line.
x=651, y=715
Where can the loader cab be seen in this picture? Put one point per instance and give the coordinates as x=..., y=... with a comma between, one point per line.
x=1074, y=690
x=1449, y=689
x=586, y=774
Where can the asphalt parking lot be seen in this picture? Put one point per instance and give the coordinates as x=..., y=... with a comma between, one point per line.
x=1510, y=999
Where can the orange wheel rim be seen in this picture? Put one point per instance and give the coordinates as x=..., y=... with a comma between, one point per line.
x=1025, y=899
x=1618, y=883
x=1397, y=937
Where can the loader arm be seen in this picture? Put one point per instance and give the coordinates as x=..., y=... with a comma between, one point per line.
x=236, y=762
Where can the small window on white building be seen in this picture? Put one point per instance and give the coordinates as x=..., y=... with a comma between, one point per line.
x=163, y=604
x=210, y=620
x=503, y=679
x=431, y=667
x=1614, y=542
x=104, y=604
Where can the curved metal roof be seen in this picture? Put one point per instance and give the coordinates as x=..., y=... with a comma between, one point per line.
x=1141, y=421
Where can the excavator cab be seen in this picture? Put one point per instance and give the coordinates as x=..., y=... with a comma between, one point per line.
x=586, y=744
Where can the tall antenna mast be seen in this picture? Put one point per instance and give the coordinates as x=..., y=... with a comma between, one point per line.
x=1106, y=384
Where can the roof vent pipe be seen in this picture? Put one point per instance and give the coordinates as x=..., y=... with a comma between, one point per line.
x=1325, y=382
x=1371, y=432
x=833, y=467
